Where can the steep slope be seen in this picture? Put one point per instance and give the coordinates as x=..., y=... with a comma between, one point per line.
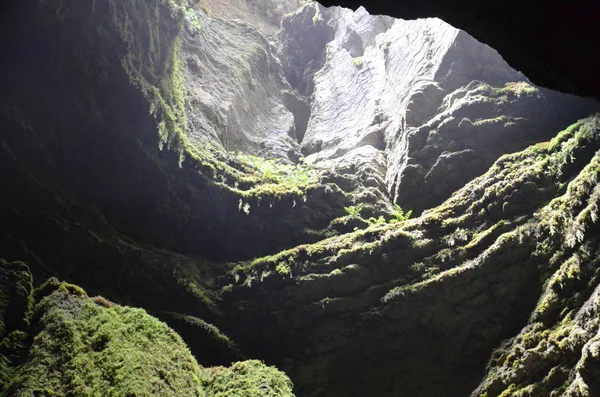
x=235, y=90
x=417, y=308
x=69, y=344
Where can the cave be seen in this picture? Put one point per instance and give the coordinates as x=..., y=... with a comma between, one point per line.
x=287, y=198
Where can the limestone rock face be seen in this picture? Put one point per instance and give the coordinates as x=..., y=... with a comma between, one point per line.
x=235, y=89
x=427, y=101
x=304, y=35
x=424, y=94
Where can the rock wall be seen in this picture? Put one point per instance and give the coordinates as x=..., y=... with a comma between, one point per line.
x=418, y=308
x=421, y=97
x=116, y=145
x=235, y=89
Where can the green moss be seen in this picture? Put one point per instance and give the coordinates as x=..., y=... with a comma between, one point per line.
x=486, y=235
x=154, y=66
x=212, y=330
x=495, y=120
x=246, y=379
x=194, y=21
x=283, y=269
x=149, y=38
x=519, y=88
x=16, y=309
x=515, y=88
x=358, y=62
x=510, y=391
x=354, y=210
x=84, y=349
x=72, y=289
x=16, y=296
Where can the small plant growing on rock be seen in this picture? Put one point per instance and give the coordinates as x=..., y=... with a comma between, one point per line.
x=354, y=210
x=283, y=269
x=377, y=221
x=244, y=207
x=274, y=171
x=193, y=20
x=358, y=62
x=399, y=214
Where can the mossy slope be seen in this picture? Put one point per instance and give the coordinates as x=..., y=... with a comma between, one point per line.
x=81, y=346
x=16, y=304
x=82, y=349
x=442, y=290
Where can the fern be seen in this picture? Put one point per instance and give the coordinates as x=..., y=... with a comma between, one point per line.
x=354, y=210
x=399, y=215
x=377, y=221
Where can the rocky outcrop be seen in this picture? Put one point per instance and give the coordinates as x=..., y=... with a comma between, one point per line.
x=302, y=58
x=235, y=89
x=474, y=126
x=417, y=308
x=428, y=97
x=77, y=345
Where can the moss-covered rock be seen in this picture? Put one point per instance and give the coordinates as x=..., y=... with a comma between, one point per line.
x=16, y=299
x=84, y=346
x=435, y=294
x=246, y=379
x=16, y=304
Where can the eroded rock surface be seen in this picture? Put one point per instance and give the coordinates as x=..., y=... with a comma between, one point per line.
x=417, y=309
x=235, y=89
x=429, y=97
x=149, y=209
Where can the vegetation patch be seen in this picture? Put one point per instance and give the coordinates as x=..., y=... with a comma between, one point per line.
x=246, y=379
x=358, y=62
x=83, y=349
x=398, y=215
